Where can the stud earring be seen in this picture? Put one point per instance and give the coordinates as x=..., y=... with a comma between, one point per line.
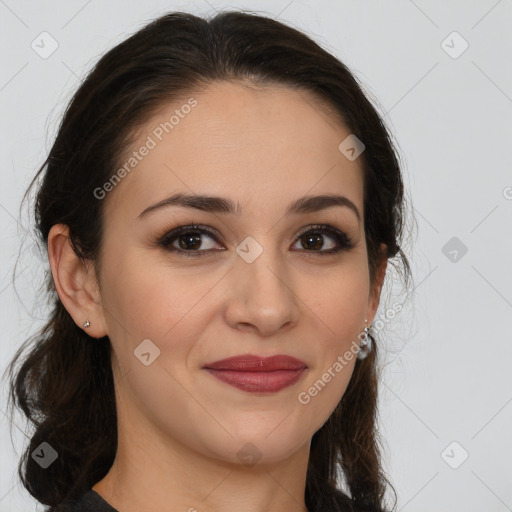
x=366, y=343
x=86, y=324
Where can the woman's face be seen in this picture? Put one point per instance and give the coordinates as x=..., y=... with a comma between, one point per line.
x=259, y=287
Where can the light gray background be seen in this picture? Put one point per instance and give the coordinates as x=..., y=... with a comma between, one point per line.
x=447, y=376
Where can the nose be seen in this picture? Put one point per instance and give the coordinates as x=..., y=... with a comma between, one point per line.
x=261, y=295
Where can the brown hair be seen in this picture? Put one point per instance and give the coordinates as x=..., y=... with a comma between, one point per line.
x=64, y=385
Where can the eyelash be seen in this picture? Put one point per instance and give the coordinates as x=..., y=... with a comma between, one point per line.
x=344, y=242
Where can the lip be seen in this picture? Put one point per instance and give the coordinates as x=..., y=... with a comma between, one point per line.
x=256, y=374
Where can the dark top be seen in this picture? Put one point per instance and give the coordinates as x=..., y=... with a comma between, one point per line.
x=91, y=501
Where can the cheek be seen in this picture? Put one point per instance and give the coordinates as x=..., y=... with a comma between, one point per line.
x=322, y=391
x=336, y=312
x=170, y=308
x=149, y=398
x=150, y=300
x=338, y=301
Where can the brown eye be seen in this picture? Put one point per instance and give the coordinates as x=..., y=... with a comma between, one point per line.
x=189, y=240
x=313, y=239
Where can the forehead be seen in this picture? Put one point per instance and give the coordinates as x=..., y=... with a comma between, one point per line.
x=273, y=141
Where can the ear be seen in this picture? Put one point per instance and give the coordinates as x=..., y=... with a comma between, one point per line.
x=75, y=282
x=373, y=303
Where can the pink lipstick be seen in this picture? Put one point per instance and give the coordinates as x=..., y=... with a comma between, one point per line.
x=257, y=374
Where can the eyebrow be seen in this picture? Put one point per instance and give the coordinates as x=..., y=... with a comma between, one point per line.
x=213, y=204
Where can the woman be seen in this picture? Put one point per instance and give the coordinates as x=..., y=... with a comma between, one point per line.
x=219, y=207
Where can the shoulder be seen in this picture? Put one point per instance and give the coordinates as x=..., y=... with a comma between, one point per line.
x=90, y=501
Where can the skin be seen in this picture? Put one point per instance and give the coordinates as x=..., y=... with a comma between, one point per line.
x=179, y=427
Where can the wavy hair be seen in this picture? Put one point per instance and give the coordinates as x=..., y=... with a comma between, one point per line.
x=64, y=383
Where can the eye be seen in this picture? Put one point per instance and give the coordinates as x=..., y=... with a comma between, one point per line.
x=313, y=236
x=186, y=240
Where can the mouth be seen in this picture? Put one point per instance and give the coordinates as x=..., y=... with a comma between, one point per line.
x=256, y=374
